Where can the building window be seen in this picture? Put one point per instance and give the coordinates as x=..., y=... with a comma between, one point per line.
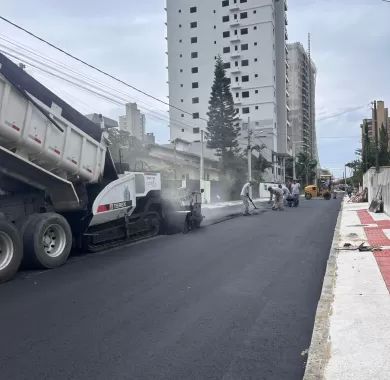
x=245, y=78
x=244, y=15
x=256, y=75
x=243, y=1
x=194, y=24
x=235, y=16
x=182, y=129
x=226, y=65
x=244, y=31
x=181, y=85
x=179, y=10
x=194, y=40
x=194, y=70
x=195, y=115
x=179, y=25
x=237, y=95
x=226, y=49
x=181, y=70
x=245, y=62
x=255, y=28
x=245, y=110
x=195, y=100
x=256, y=91
x=255, y=59
x=236, y=63
x=194, y=54
x=237, y=79
x=226, y=34
x=193, y=10
x=235, y=32
x=245, y=94
x=182, y=115
x=195, y=130
x=236, y=47
x=225, y=19
x=195, y=85
x=254, y=12
x=257, y=107
x=255, y=43
x=225, y=3
x=182, y=100
x=180, y=41
x=244, y=47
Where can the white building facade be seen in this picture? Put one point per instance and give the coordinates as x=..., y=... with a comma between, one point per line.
x=302, y=87
x=250, y=36
x=133, y=122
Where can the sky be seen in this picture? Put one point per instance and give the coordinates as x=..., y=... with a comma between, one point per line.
x=350, y=47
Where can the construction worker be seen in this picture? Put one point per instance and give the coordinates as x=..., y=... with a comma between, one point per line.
x=286, y=193
x=295, y=191
x=245, y=196
x=277, y=194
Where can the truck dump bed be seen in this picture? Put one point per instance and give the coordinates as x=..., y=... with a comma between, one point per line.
x=40, y=127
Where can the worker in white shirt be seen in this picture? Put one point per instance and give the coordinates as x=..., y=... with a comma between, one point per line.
x=277, y=194
x=286, y=193
x=295, y=191
x=245, y=196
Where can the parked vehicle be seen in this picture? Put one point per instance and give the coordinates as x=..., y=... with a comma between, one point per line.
x=58, y=185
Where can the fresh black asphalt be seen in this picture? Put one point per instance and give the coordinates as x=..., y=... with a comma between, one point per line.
x=233, y=300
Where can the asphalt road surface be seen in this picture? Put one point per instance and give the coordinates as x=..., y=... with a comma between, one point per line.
x=233, y=300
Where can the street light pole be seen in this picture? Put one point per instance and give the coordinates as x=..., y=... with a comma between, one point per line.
x=201, y=157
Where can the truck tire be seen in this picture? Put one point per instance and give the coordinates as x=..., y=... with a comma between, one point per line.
x=47, y=240
x=11, y=250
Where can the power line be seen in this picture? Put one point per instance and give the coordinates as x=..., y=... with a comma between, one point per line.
x=96, y=68
x=122, y=101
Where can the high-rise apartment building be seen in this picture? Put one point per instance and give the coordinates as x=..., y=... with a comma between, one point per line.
x=382, y=119
x=301, y=87
x=250, y=36
x=133, y=122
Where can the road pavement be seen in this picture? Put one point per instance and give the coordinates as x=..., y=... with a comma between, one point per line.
x=233, y=300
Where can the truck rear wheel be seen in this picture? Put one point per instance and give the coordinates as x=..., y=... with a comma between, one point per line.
x=47, y=240
x=11, y=250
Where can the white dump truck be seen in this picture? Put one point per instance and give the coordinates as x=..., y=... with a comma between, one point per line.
x=58, y=185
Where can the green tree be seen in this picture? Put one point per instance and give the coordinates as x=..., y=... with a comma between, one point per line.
x=306, y=167
x=368, y=151
x=384, y=157
x=223, y=132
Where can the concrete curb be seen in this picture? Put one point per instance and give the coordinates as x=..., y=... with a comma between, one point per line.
x=319, y=350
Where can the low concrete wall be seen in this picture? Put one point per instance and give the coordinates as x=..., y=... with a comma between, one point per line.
x=375, y=181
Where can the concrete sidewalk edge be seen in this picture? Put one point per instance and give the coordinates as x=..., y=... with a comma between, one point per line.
x=319, y=350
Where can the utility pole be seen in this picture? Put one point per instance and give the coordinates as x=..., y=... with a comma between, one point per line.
x=376, y=138
x=175, y=157
x=249, y=152
x=294, y=170
x=201, y=157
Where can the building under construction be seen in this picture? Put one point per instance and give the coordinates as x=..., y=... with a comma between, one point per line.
x=302, y=82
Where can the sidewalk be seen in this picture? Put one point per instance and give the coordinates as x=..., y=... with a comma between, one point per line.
x=351, y=337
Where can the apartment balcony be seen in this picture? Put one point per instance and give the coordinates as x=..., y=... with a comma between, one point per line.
x=235, y=23
x=235, y=39
x=285, y=6
x=285, y=35
x=287, y=93
x=236, y=86
x=236, y=55
x=236, y=70
x=234, y=8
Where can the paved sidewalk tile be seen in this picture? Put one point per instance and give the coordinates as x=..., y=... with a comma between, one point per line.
x=359, y=325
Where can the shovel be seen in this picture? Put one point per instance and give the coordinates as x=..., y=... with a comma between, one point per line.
x=252, y=203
